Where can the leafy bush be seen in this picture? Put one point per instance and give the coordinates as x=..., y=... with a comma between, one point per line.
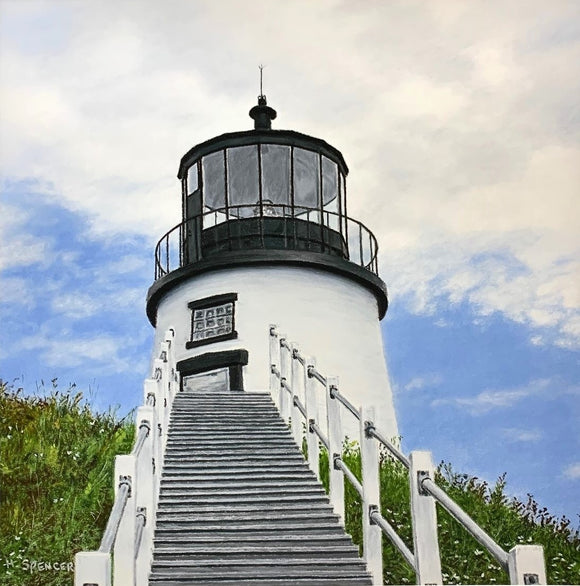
x=56, y=468
x=464, y=561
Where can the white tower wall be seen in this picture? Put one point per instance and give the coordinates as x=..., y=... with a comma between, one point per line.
x=329, y=316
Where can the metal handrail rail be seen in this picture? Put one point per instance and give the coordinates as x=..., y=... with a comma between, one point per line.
x=339, y=464
x=283, y=212
x=274, y=370
x=372, y=432
x=284, y=384
x=298, y=403
x=389, y=531
x=284, y=343
x=429, y=486
x=313, y=373
x=144, y=429
x=425, y=484
x=335, y=394
x=313, y=427
x=116, y=515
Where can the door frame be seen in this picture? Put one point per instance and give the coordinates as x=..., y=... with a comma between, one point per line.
x=234, y=360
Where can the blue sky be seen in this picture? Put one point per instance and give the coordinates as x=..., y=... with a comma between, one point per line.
x=459, y=123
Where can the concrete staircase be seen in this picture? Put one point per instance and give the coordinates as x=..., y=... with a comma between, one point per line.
x=238, y=504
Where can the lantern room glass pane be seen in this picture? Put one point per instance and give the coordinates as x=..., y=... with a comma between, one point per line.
x=213, y=180
x=276, y=176
x=329, y=180
x=192, y=179
x=243, y=188
x=306, y=179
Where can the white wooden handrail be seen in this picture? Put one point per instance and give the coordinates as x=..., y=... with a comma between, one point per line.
x=128, y=537
x=524, y=563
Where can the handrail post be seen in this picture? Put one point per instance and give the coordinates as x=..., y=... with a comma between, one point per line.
x=124, y=550
x=151, y=389
x=284, y=401
x=274, y=363
x=526, y=565
x=92, y=567
x=160, y=369
x=144, y=496
x=295, y=383
x=311, y=406
x=371, y=500
x=335, y=440
x=424, y=516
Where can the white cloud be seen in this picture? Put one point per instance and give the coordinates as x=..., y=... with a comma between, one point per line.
x=103, y=353
x=459, y=124
x=522, y=435
x=489, y=400
x=572, y=471
x=16, y=291
x=421, y=382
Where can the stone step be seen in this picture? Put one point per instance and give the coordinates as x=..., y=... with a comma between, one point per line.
x=209, y=516
x=223, y=438
x=256, y=551
x=257, y=483
x=247, y=490
x=251, y=457
x=248, y=499
x=284, y=568
x=220, y=440
x=259, y=581
x=245, y=507
x=234, y=467
x=258, y=529
x=264, y=564
x=195, y=475
x=253, y=541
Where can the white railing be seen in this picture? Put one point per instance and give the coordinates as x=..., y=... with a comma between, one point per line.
x=128, y=536
x=295, y=384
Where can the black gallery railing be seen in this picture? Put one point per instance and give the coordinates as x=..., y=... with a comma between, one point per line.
x=265, y=226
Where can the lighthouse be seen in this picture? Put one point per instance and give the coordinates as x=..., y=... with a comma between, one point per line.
x=265, y=238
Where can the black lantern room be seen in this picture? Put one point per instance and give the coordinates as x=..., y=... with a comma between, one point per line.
x=267, y=195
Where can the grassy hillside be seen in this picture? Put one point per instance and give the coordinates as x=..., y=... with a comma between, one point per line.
x=56, y=466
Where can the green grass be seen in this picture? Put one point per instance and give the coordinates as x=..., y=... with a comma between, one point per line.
x=56, y=489
x=464, y=561
x=56, y=478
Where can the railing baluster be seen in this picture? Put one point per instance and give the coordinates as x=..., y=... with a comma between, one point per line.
x=295, y=386
x=526, y=565
x=144, y=493
x=310, y=386
x=124, y=549
x=371, y=501
x=425, y=541
x=335, y=441
x=274, y=352
x=284, y=401
x=92, y=567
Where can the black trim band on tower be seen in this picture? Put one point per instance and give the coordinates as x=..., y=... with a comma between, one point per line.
x=303, y=259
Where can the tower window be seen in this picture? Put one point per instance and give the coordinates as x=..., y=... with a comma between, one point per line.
x=212, y=319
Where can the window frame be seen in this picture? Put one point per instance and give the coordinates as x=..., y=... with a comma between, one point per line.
x=207, y=303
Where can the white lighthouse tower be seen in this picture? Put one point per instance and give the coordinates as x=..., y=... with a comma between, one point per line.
x=265, y=238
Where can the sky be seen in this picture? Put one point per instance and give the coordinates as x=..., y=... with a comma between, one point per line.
x=460, y=125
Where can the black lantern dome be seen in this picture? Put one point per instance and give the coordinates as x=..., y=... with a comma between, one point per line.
x=272, y=196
